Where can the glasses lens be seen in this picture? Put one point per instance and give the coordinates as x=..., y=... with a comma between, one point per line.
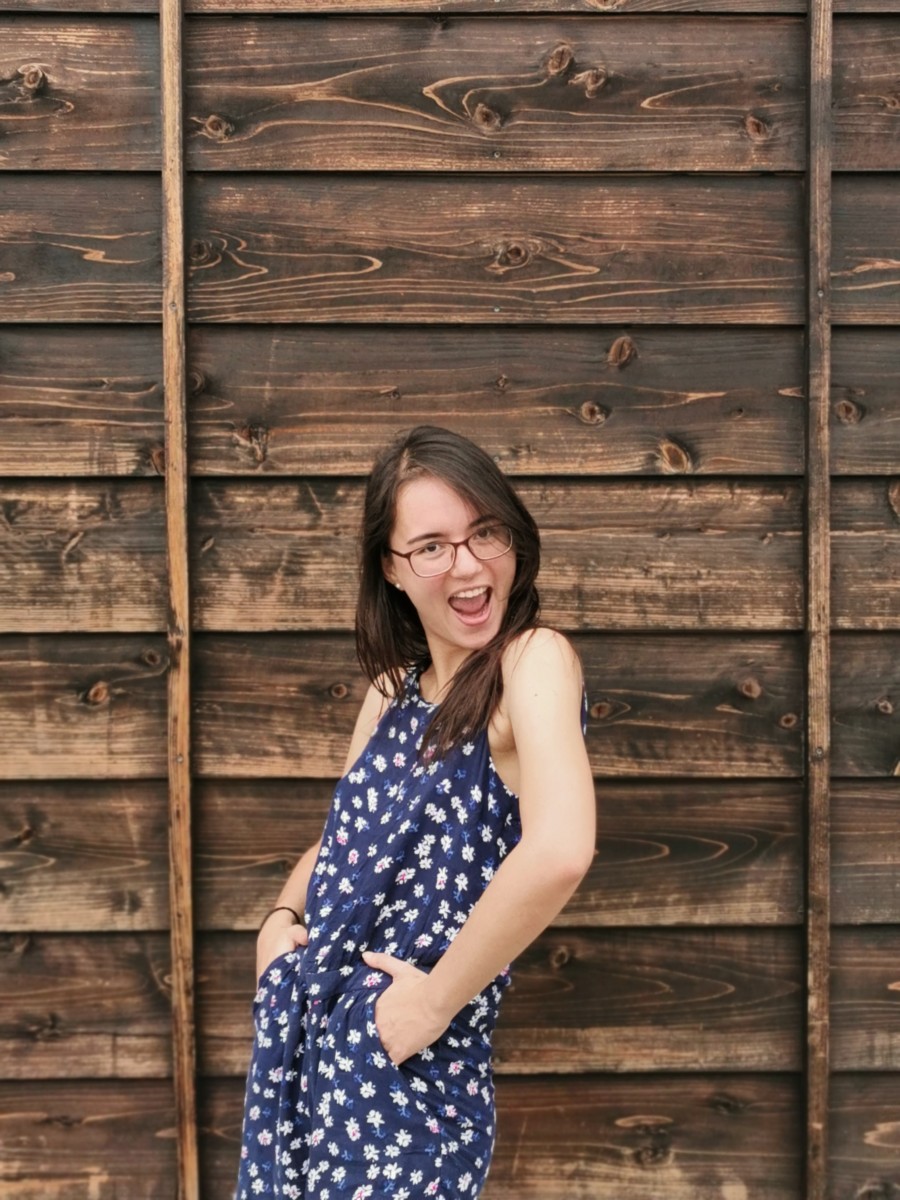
x=491, y=542
x=433, y=559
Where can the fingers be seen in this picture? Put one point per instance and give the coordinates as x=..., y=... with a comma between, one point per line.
x=385, y=962
x=299, y=934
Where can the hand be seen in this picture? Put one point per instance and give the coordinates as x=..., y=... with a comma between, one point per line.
x=405, y=1014
x=278, y=935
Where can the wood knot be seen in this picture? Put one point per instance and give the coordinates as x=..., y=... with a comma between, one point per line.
x=559, y=957
x=196, y=382
x=657, y=1151
x=756, y=128
x=591, y=413
x=874, y=1189
x=788, y=720
x=254, y=438
x=673, y=459
x=728, y=1106
x=486, y=118
x=884, y=706
x=392, y=393
x=751, y=688
x=48, y=1030
x=24, y=836
x=602, y=710
x=32, y=77
x=893, y=495
x=593, y=81
x=339, y=691
x=512, y=255
x=501, y=383
x=207, y=544
x=200, y=252
x=848, y=412
x=560, y=59
x=158, y=459
x=621, y=352
x=97, y=694
x=217, y=128
x=152, y=658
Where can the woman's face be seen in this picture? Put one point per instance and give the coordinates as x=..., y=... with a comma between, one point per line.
x=464, y=608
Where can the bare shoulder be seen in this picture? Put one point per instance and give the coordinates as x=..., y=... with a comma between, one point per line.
x=541, y=654
x=370, y=713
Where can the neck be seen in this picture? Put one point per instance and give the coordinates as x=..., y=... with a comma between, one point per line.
x=439, y=675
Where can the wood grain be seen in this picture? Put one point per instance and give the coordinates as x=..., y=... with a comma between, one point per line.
x=613, y=1000
x=865, y=1147
x=80, y=401
x=866, y=81
x=96, y=1005
x=866, y=853
x=87, y=1139
x=79, y=95
x=84, y=857
x=565, y=251
x=91, y=706
x=82, y=557
x=599, y=1137
x=569, y=401
x=865, y=688
x=866, y=234
x=865, y=541
x=865, y=394
x=275, y=705
x=636, y=555
x=80, y=247
x=707, y=854
x=866, y=999
x=650, y=94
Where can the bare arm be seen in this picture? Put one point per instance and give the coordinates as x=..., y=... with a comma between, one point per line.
x=279, y=932
x=542, y=689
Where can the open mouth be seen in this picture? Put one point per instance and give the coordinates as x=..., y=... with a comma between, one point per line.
x=471, y=605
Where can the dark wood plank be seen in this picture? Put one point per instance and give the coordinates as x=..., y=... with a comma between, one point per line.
x=865, y=691
x=866, y=83
x=866, y=236
x=416, y=249
x=84, y=857
x=91, y=706
x=865, y=1117
x=95, y=1005
x=611, y=1000
x=593, y=1137
x=726, y=854
x=87, y=1139
x=866, y=853
x=276, y=705
x=568, y=401
x=77, y=401
x=865, y=393
x=865, y=545
x=653, y=94
x=866, y=999
x=80, y=247
x=636, y=555
x=81, y=95
x=82, y=557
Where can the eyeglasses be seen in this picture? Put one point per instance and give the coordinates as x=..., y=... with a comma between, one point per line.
x=436, y=558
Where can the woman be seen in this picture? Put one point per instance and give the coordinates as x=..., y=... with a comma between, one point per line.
x=462, y=824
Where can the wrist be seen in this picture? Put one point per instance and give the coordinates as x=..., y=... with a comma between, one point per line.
x=282, y=916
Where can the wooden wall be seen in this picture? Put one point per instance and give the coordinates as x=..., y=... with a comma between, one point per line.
x=595, y=235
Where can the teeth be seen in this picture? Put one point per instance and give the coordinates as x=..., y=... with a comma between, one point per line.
x=470, y=594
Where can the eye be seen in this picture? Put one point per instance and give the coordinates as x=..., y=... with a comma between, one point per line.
x=486, y=533
x=429, y=550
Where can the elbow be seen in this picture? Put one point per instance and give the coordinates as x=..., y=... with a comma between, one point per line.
x=569, y=868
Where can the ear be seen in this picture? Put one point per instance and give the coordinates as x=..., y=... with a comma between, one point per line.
x=389, y=570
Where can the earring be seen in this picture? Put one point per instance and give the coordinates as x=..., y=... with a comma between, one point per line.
x=398, y=587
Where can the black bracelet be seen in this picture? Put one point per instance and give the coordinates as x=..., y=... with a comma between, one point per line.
x=280, y=908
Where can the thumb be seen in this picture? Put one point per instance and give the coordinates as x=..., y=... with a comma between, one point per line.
x=383, y=962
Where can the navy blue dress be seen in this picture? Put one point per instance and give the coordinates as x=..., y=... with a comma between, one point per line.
x=408, y=848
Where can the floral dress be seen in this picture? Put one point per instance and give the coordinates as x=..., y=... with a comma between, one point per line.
x=409, y=846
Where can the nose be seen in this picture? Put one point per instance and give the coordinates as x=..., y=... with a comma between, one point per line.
x=467, y=565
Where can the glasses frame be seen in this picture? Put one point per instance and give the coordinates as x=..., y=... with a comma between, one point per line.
x=454, y=546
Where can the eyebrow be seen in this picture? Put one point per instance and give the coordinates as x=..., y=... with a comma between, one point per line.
x=443, y=537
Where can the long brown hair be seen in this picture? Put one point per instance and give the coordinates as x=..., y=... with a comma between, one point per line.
x=389, y=635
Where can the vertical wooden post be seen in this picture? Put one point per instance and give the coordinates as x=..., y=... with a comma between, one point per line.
x=179, y=758
x=818, y=608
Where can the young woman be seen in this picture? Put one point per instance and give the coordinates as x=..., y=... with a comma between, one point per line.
x=463, y=823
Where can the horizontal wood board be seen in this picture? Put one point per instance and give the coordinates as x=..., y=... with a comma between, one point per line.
x=864, y=1136
x=91, y=857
